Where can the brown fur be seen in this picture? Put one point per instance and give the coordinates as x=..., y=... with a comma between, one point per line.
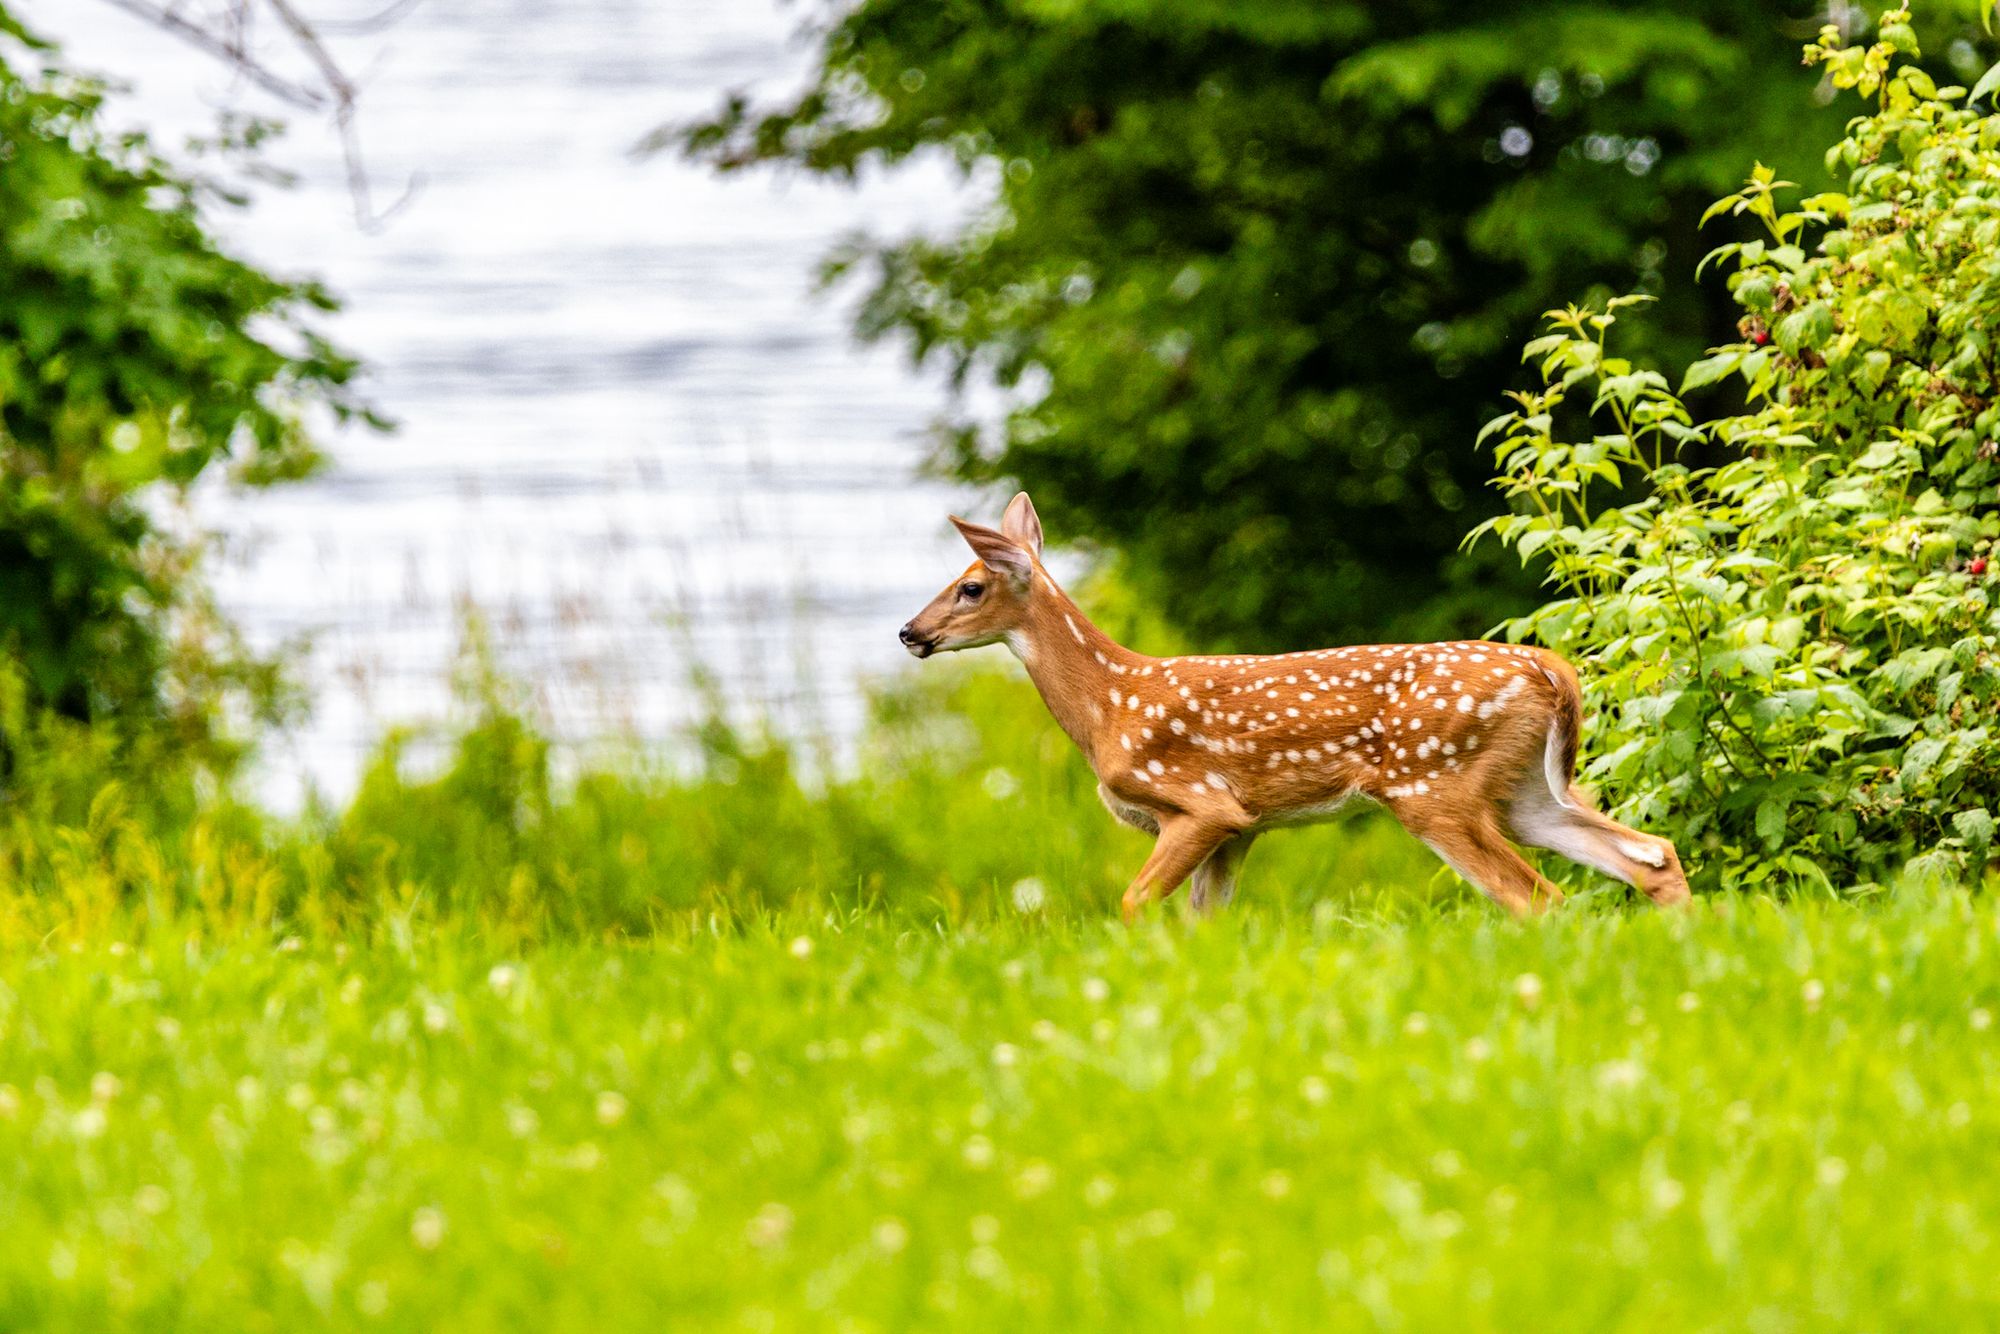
x=1467, y=743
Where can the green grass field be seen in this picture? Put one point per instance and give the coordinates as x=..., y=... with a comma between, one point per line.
x=1747, y=1117
x=734, y=1051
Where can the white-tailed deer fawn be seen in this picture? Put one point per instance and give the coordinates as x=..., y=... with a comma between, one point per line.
x=1467, y=743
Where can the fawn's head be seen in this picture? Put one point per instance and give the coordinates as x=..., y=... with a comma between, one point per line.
x=991, y=597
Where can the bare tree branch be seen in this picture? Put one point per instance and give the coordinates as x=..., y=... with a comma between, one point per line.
x=229, y=49
x=342, y=89
x=227, y=38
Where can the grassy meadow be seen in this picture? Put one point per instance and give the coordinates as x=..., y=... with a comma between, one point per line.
x=734, y=1049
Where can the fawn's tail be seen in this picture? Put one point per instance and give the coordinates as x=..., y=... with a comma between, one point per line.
x=1565, y=729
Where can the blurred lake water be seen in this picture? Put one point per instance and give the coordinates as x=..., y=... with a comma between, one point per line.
x=631, y=433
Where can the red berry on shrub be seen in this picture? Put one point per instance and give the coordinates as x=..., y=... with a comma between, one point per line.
x=1978, y=565
x=1760, y=338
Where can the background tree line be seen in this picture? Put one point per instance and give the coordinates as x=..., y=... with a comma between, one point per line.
x=1261, y=270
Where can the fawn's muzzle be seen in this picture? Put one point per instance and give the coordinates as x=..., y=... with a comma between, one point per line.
x=915, y=642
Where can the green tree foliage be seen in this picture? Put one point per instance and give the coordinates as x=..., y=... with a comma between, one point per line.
x=1793, y=657
x=134, y=356
x=1259, y=267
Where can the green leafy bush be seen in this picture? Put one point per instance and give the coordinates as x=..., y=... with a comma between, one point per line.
x=1785, y=615
x=135, y=355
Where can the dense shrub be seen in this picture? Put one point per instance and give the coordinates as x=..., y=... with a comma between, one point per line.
x=135, y=356
x=1786, y=615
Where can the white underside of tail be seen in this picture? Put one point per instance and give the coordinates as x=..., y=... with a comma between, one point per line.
x=1552, y=758
x=1556, y=772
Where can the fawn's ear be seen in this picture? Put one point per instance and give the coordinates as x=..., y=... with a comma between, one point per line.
x=997, y=551
x=1023, y=524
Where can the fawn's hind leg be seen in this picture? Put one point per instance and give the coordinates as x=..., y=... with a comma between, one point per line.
x=1214, y=881
x=1591, y=838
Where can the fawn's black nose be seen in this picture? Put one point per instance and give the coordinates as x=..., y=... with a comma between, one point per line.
x=907, y=635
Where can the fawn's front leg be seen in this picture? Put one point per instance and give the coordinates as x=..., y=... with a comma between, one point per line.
x=1185, y=842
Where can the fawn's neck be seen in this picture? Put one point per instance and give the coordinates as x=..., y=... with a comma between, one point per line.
x=1072, y=663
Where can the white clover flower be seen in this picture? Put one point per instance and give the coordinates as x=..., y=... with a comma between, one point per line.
x=769, y=1226
x=801, y=947
x=1619, y=1074
x=503, y=977
x=1005, y=1054
x=890, y=1235
x=427, y=1228
x=1812, y=992
x=1096, y=990
x=1029, y=894
x=611, y=1107
x=1033, y=1179
x=985, y=1262
x=1000, y=784
x=1528, y=990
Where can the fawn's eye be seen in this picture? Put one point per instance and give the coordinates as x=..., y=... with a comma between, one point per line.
x=970, y=591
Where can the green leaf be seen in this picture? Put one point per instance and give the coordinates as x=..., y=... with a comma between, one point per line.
x=1975, y=826
x=1771, y=820
x=1988, y=83
x=1710, y=369
x=1920, y=759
